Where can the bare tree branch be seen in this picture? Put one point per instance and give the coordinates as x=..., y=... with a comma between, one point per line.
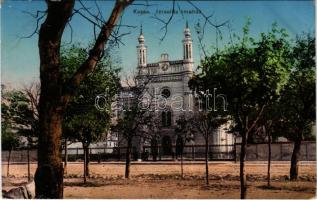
x=165, y=23
x=32, y=91
x=208, y=17
x=97, y=51
x=38, y=16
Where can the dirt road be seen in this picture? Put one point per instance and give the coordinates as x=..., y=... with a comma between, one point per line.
x=164, y=181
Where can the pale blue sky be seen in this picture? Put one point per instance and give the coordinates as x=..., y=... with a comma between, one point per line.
x=20, y=60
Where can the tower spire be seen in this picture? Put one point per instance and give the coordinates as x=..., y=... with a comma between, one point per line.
x=187, y=44
x=141, y=30
x=141, y=49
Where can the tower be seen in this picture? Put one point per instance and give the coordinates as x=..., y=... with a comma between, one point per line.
x=141, y=48
x=187, y=45
x=188, y=67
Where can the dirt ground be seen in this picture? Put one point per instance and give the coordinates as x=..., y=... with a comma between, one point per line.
x=164, y=181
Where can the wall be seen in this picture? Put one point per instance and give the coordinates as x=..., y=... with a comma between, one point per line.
x=280, y=151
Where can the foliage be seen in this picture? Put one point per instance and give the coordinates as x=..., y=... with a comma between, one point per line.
x=82, y=120
x=297, y=104
x=134, y=119
x=18, y=116
x=9, y=139
x=250, y=72
x=184, y=129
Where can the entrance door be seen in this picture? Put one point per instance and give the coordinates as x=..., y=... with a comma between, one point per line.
x=167, y=145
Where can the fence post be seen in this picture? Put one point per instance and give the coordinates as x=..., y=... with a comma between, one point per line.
x=281, y=150
x=256, y=151
x=193, y=152
x=28, y=158
x=76, y=153
x=143, y=151
x=119, y=153
x=306, y=151
x=235, y=152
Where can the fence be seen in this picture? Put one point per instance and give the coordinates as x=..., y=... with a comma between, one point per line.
x=19, y=155
x=192, y=152
x=255, y=152
x=281, y=151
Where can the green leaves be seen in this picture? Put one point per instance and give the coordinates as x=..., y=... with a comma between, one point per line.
x=251, y=72
x=82, y=120
x=18, y=116
x=297, y=104
x=268, y=70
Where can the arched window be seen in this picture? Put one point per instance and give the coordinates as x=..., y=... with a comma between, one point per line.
x=140, y=57
x=169, y=118
x=166, y=118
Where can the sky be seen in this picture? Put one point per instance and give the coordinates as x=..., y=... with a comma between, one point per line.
x=20, y=56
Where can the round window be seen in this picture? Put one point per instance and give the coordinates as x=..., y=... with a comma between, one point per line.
x=166, y=93
x=165, y=67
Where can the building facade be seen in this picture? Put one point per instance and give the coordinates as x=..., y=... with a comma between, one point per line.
x=167, y=80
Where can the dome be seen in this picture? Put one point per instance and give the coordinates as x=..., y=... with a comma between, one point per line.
x=141, y=38
x=187, y=32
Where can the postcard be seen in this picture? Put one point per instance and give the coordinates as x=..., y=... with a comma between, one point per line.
x=171, y=99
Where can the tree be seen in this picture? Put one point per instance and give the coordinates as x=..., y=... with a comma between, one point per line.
x=250, y=72
x=134, y=116
x=32, y=92
x=298, y=105
x=23, y=113
x=206, y=123
x=55, y=93
x=20, y=116
x=269, y=127
x=84, y=121
x=183, y=131
x=9, y=140
x=87, y=128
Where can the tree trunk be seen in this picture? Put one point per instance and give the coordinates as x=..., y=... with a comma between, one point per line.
x=8, y=164
x=206, y=159
x=49, y=173
x=128, y=159
x=243, y=187
x=295, y=158
x=65, y=158
x=269, y=158
x=28, y=155
x=182, y=167
x=55, y=93
x=85, y=161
